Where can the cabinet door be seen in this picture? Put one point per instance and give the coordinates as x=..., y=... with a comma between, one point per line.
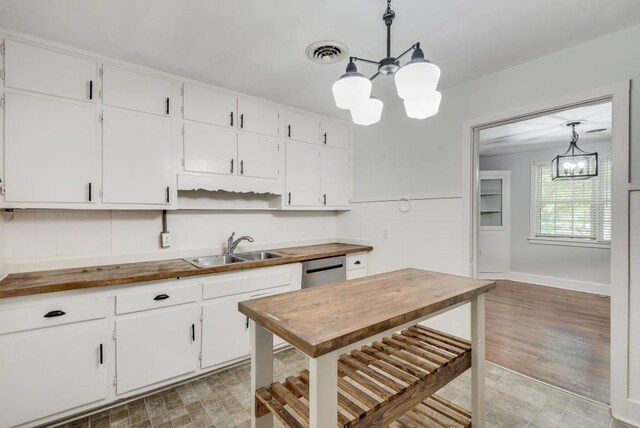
x=51, y=370
x=303, y=174
x=259, y=117
x=49, y=72
x=156, y=346
x=225, y=334
x=259, y=156
x=51, y=150
x=336, y=177
x=136, y=158
x=336, y=134
x=209, y=106
x=303, y=127
x=209, y=149
x=135, y=91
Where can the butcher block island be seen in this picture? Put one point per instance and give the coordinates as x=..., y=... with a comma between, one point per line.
x=370, y=362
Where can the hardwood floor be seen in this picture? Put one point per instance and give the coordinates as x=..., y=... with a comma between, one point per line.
x=557, y=336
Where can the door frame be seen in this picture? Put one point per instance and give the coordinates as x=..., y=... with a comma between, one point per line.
x=619, y=96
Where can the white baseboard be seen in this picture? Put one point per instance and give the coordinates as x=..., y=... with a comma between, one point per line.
x=564, y=283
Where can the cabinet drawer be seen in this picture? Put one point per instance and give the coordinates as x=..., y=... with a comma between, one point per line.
x=357, y=261
x=136, y=91
x=247, y=282
x=30, y=318
x=160, y=297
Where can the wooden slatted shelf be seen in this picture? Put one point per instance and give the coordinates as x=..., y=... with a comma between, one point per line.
x=388, y=383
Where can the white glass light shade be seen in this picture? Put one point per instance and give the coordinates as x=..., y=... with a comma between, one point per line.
x=417, y=79
x=351, y=90
x=367, y=112
x=424, y=106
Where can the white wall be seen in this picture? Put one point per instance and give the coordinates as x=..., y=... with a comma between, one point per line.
x=589, y=265
x=53, y=239
x=634, y=299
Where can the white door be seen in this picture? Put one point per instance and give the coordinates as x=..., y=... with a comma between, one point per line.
x=209, y=106
x=49, y=72
x=136, y=91
x=225, y=332
x=51, y=150
x=259, y=156
x=336, y=134
x=336, y=177
x=302, y=127
x=52, y=370
x=156, y=346
x=136, y=158
x=303, y=175
x=259, y=117
x=209, y=149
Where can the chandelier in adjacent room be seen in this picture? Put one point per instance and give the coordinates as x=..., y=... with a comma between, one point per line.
x=575, y=162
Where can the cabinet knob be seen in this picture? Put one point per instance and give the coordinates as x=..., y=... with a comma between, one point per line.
x=90, y=89
x=357, y=262
x=289, y=131
x=324, y=199
x=101, y=356
x=161, y=297
x=90, y=192
x=193, y=332
x=231, y=166
x=241, y=120
x=289, y=198
x=325, y=138
x=168, y=194
x=231, y=117
x=167, y=101
x=241, y=167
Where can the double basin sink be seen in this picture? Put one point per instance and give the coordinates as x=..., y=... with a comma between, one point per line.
x=227, y=259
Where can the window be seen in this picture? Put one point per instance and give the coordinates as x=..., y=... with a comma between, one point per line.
x=576, y=211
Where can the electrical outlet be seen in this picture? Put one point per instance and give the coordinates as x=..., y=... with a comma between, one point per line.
x=165, y=239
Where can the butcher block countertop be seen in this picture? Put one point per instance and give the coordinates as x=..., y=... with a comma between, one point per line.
x=319, y=320
x=24, y=284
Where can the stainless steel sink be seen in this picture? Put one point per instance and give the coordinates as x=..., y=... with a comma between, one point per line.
x=209, y=261
x=259, y=255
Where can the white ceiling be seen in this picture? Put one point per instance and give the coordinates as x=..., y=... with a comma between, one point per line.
x=548, y=131
x=257, y=47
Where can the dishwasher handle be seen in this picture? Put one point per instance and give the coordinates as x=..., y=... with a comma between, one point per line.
x=321, y=269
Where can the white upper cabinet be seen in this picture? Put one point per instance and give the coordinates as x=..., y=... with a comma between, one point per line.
x=303, y=177
x=303, y=127
x=49, y=72
x=258, y=116
x=210, y=106
x=137, y=159
x=51, y=150
x=136, y=91
x=209, y=149
x=336, y=134
x=336, y=177
x=258, y=156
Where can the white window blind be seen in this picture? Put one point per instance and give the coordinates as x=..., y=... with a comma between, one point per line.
x=577, y=209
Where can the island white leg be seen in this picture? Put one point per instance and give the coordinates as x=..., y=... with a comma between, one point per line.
x=261, y=369
x=477, y=361
x=323, y=391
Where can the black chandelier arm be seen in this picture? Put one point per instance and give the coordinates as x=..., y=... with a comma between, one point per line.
x=355, y=58
x=415, y=46
x=374, y=76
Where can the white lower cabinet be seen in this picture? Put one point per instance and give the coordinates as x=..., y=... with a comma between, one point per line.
x=225, y=336
x=357, y=265
x=51, y=370
x=153, y=346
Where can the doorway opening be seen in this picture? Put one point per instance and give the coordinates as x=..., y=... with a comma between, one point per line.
x=547, y=243
x=618, y=96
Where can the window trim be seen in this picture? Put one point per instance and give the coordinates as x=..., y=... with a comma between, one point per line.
x=557, y=240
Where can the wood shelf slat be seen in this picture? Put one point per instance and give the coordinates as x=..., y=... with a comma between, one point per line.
x=390, y=383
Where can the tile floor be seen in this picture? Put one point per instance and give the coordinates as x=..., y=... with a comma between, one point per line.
x=221, y=400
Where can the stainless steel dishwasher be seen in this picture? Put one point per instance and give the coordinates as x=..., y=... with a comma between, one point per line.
x=324, y=271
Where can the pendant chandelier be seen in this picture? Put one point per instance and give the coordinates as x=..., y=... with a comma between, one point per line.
x=574, y=163
x=416, y=83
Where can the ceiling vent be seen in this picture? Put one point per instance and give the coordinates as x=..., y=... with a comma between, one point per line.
x=326, y=52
